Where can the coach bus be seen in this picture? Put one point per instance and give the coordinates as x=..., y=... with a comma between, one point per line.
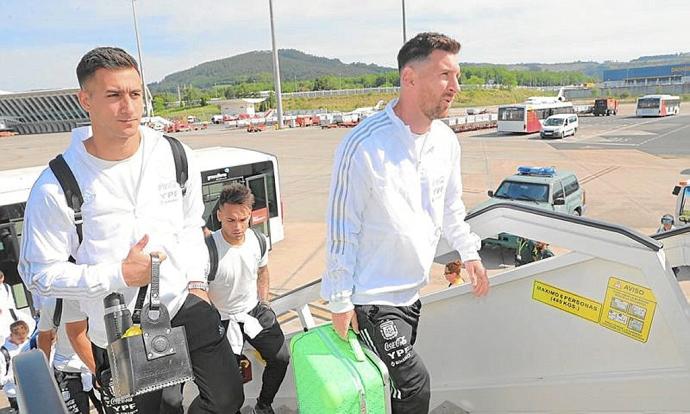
x=219, y=167
x=527, y=117
x=657, y=105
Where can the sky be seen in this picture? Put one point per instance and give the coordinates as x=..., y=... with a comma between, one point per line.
x=41, y=41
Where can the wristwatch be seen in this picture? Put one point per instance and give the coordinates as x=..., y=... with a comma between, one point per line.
x=198, y=285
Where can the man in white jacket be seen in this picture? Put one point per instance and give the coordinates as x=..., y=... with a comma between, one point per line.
x=396, y=189
x=132, y=206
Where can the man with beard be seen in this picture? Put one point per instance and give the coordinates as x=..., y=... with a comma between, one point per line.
x=396, y=188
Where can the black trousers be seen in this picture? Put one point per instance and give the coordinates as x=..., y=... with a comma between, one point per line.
x=391, y=332
x=215, y=367
x=72, y=389
x=270, y=343
x=13, y=403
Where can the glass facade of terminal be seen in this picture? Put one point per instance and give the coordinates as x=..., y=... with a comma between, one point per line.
x=42, y=112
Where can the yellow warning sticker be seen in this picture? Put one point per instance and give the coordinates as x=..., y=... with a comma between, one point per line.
x=628, y=309
x=567, y=301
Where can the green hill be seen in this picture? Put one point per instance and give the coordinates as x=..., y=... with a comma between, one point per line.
x=258, y=66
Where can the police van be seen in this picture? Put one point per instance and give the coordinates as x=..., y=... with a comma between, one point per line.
x=542, y=187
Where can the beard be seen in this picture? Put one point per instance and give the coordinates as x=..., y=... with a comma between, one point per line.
x=440, y=109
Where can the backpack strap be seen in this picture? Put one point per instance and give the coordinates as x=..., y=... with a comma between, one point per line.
x=71, y=189
x=262, y=241
x=7, y=356
x=57, y=313
x=212, y=256
x=180, y=158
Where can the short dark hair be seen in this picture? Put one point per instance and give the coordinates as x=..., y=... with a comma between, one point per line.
x=237, y=194
x=106, y=58
x=19, y=323
x=422, y=45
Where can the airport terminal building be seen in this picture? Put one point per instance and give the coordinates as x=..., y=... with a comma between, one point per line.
x=650, y=75
x=41, y=112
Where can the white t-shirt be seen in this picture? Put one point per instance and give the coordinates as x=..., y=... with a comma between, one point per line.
x=234, y=289
x=64, y=357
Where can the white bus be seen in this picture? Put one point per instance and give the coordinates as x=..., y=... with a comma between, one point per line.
x=657, y=105
x=527, y=117
x=219, y=166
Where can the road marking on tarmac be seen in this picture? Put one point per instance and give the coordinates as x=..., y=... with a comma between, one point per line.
x=638, y=144
x=610, y=131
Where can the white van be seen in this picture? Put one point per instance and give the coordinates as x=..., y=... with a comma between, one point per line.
x=559, y=126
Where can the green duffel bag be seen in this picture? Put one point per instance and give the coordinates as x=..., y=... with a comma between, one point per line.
x=337, y=377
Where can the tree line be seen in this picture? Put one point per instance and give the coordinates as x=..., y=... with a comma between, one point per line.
x=252, y=85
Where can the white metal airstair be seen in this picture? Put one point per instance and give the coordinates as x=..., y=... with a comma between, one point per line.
x=602, y=328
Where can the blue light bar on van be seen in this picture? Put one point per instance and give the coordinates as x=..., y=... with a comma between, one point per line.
x=542, y=171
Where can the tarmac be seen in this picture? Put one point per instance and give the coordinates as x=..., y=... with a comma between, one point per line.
x=628, y=167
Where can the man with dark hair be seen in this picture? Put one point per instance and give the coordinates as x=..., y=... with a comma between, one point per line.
x=132, y=206
x=396, y=189
x=240, y=290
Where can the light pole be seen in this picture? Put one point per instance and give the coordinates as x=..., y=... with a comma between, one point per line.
x=276, y=69
x=148, y=109
x=404, y=24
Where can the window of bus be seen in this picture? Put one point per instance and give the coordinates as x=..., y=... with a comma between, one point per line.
x=672, y=104
x=271, y=194
x=211, y=194
x=11, y=226
x=648, y=103
x=563, y=110
x=511, y=114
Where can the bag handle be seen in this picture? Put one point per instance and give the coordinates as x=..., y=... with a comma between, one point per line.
x=355, y=345
x=155, y=302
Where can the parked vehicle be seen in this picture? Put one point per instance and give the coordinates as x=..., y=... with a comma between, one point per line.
x=560, y=126
x=528, y=117
x=219, y=166
x=541, y=187
x=657, y=105
x=605, y=106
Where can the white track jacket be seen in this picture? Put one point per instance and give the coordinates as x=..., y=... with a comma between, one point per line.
x=388, y=209
x=123, y=200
